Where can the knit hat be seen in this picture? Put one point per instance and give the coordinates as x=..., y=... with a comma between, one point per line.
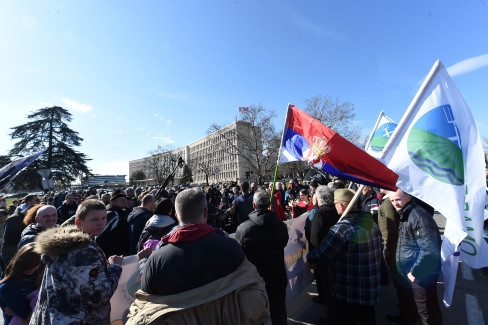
x=344, y=194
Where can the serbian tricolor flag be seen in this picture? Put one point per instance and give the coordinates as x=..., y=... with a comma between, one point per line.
x=306, y=139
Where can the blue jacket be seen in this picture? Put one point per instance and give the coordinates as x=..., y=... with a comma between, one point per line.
x=242, y=207
x=419, y=244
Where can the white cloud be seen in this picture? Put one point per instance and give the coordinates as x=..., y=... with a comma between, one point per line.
x=468, y=65
x=138, y=130
x=79, y=107
x=167, y=120
x=118, y=132
x=164, y=139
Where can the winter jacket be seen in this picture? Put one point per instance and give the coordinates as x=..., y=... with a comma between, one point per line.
x=242, y=206
x=114, y=240
x=14, y=295
x=419, y=244
x=263, y=238
x=237, y=298
x=156, y=227
x=190, y=257
x=137, y=220
x=371, y=204
x=77, y=283
x=11, y=237
x=29, y=234
x=66, y=211
x=388, y=220
x=323, y=219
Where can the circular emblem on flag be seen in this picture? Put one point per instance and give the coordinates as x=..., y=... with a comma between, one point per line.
x=434, y=145
x=381, y=136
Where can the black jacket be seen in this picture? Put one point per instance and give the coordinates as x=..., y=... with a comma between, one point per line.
x=323, y=219
x=66, y=211
x=419, y=244
x=29, y=234
x=241, y=208
x=263, y=238
x=178, y=267
x=114, y=239
x=137, y=220
x=13, y=230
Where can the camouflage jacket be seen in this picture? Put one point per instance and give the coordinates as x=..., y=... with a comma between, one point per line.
x=77, y=284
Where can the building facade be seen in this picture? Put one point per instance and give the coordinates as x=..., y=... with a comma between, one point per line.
x=106, y=180
x=212, y=159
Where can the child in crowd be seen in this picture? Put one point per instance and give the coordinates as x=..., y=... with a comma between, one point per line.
x=77, y=283
x=22, y=277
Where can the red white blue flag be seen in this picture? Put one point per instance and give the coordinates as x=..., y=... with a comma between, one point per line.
x=243, y=109
x=306, y=139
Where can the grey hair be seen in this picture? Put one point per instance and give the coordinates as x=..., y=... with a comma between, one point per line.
x=325, y=195
x=190, y=205
x=262, y=200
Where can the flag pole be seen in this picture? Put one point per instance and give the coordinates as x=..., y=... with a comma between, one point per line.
x=368, y=144
x=279, y=153
x=437, y=65
x=353, y=202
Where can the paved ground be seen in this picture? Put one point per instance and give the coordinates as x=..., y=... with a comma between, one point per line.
x=469, y=305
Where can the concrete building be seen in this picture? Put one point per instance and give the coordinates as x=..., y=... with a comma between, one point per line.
x=106, y=179
x=212, y=156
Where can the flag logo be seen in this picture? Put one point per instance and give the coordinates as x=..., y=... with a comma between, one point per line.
x=318, y=149
x=381, y=136
x=434, y=145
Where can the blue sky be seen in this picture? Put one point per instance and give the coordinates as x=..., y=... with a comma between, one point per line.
x=138, y=74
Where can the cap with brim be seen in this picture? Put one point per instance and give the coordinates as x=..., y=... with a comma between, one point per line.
x=344, y=194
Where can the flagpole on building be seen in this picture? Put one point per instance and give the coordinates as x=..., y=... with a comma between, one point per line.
x=279, y=153
x=368, y=144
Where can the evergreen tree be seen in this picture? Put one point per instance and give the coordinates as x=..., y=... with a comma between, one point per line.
x=47, y=128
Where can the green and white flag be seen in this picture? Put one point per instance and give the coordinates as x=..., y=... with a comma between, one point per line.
x=380, y=135
x=437, y=152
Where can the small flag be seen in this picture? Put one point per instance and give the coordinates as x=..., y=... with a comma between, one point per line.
x=382, y=132
x=306, y=139
x=9, y=172
x=243, y=109
x=437, y=152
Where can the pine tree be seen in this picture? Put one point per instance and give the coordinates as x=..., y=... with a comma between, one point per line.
x=47, y=128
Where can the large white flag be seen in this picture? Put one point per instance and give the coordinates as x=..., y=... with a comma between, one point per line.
x=437, y=152
x=382, y=131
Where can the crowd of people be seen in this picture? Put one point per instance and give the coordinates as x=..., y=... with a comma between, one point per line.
x=61, y=255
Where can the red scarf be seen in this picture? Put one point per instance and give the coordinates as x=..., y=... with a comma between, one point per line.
x=188, y=233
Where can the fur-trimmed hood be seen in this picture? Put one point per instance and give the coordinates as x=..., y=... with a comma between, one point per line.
x=61, y=240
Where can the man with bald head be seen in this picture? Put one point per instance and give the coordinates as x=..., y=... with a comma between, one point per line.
x=195, y=251
x=418, y=261
x=200, y=270
x=46, y=217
